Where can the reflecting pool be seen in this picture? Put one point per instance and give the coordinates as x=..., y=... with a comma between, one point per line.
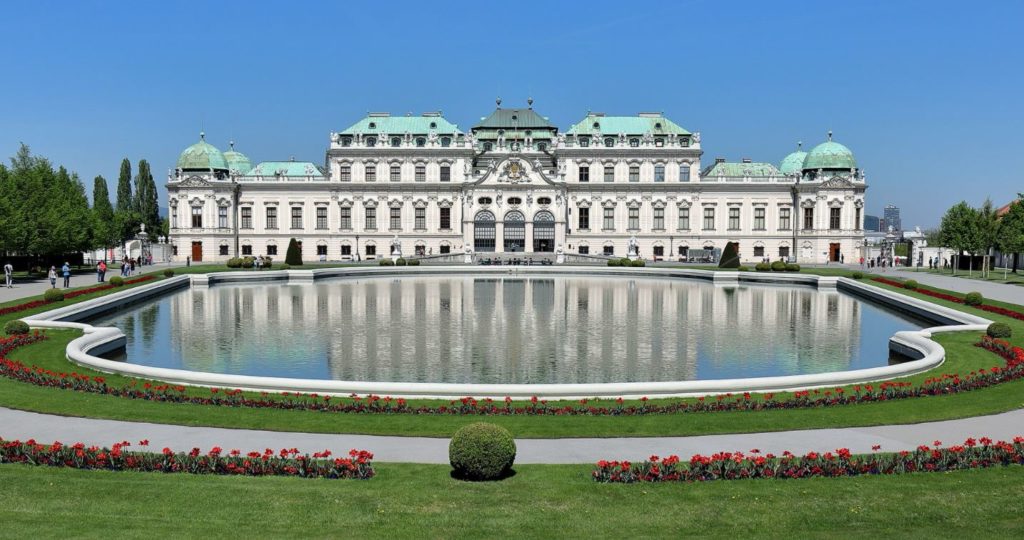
x=472, y=329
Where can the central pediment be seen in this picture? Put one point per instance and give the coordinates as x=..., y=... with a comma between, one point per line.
x=514, y=171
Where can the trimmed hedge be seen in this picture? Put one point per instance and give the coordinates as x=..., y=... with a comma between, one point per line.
x=743, y=269
x=248, y=262
x=999, y=330
x=234, y=262
x=614, y=262
x=910, y=284
x=974, y=299
x=386, y=262
x=117, y=281
x=413, y=262
x=16, y=327
x=763, y=267
x=53, y=295
x=730, y=256
x=858, y=275
x=638, y=263
x=400, y=261
x=792, y=267
x=168, y=273
x=482, y=451
x=778, y=266
x=293, y=257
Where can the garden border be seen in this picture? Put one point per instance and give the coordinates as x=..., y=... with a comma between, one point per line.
x=914, y=344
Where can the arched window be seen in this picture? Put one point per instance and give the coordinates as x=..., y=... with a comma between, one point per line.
x=609, y=141
x=446, y=141
x=421, y=142
x=544, y=200
x=433, y=125
x=346, y=141
x=396, y=142
x=544, y=231
x=515, y=231
x=483, y=232
x=484, y=200
x=487, y=147
x=584, y=142
x=515, y=200
x=371, y=141
x=634, y=142
x=542, y=146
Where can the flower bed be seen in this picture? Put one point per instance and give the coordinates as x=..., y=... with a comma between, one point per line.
x=863, y=393
x=955, y=299
x=286, y=462
x=972, y=454
x=69, y=295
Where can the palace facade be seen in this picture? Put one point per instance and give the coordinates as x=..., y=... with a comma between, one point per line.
x=516, y=183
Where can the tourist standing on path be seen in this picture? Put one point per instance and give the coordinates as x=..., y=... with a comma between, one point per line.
x=52, y=274
x=99, y=273
x=103, y=271
x=9, y=276
x=66, y=272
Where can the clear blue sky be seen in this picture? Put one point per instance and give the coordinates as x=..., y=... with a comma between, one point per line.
x=927, y=94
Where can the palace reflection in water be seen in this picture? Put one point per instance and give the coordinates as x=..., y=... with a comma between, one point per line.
x=509, y=330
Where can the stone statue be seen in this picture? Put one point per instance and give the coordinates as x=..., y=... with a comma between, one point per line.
x=559, y=255
x=633, y=248
x=696, y=137
x=396, y=247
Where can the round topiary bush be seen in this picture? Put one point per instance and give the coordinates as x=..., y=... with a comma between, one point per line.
x=248, y=262
x=614, y=262
x=482, y=451
x=413, y=262
x=16, y=327
x=53, y=295
x=168, y=273
x=763, y=267
x=778, y=266
x=386, y=262
x=858, y=275
x=625, y=261
x=790, y=267
x=638, y=262
x=999, y=330
x=267, y=263
x=910, y=284
x=117, y=281
x=400, y=261
x=974, y=299
x=234, y=262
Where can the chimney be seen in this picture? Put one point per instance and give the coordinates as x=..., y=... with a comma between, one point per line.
x=719, y=160
x=746, y=160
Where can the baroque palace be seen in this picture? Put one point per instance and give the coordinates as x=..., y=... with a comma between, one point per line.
x=517, y=185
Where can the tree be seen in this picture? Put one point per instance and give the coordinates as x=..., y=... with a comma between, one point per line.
x=987, y=231
x=1010, y=235
x=293, y=257
x=104, y=226
x=126, y=220
x=146, y=203
x=959, y=229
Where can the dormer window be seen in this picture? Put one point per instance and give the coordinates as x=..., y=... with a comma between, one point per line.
x=609, y=141
x=659, y=142
x=487, y=147
x=346, y=141
x=529, y=133
x=542, y=146
x=515, y=117
x=446, y=141
x=684, y=141
x=584, y=142
x=421, y=142
x=373, y=125
x=433, y=125
x=396, y=142
x=634, y=142
x=371, y=141
x=596, y=125
x=657, y=125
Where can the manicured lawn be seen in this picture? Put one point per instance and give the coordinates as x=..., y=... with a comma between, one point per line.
x=540, y=501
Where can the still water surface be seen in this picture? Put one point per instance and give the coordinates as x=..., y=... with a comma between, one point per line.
x=508, y=330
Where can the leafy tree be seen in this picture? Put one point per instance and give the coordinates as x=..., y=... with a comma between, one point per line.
x=1010, y=235
x=959, y=229
x=987, y=231
x=293, y=257
x=104, y=226
x=124, y=187
x=126, y=217
x=146, y=203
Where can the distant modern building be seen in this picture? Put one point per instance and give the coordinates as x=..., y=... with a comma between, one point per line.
x=516, y=184
x=872, y=223
x=892, y=218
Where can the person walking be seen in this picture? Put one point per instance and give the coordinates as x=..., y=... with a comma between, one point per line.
x=52, y=274
x=9, y=275
x=99, y=273
x=66, y=272
x=103, y=271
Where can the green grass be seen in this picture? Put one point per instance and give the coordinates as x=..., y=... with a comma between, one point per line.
x=540, y=501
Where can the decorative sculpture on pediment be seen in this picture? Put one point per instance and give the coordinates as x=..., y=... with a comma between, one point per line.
x=837, y=182
x=470, y=140
x=536, y=163
x=432, y=137
x=195, y=181
x=560, y=140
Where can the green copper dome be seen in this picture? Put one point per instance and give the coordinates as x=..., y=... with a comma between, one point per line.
x=829, y=155
x=793, y=163
x=202, y=156
x=237, y=161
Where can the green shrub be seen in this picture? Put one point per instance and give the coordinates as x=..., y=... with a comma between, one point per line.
x=638, y=262
x=248, y=262
x=294, y=256
x=763, y=267
x=16, y=327
x=999, y=330
x=285, y=266
x=53, y=295
x=268, y=262
x=858, y=275
x=778, y=266
x=974, y=299
x=910, y=284
x=169, y=272
x=730, y=256
x=386, y=262
x=482, y=451
x=400, y=261
x=413, y=262
x=117, y=281
x=791, y=267
x=744, y=268
x=625, y=261
x=234, y=262
x=614, y=262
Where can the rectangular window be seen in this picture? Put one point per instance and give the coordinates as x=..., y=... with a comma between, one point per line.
x=609, y=219
x=421, y=218
x=346, y=218
x=833, y=218
x=222, y=217
x=445, y=249
x=709, y=219
x=246, y=250
x=808, y=218
x=684, y=173
x=174, y=217
x=446, y=218
x=371, y=250
x=634, y=173
x=371, y=219
x=734, y=219
x=856, y=224
x=271, y=249
x=659, y=251
x=659, y=173
x=584, y=173
x=346, y=250
x=784, y=252
x=346, y=173
x=659, y=219
x=421, y=173
x=759, y=219
x=684, y=219
x=784, y=219
x=272, y=217
x=197, y=217
x=584, y=222
x=321, y=218
x=759, y=251
x=223, y=250
x=296, y=217
x=634, y=219
x=246, y=218
x=446, y=173
x=584, y=250
x=609, y=173
x=321, y=251
x=396, y=173
x=609, y=250
x=396, y=219
x=371, y=172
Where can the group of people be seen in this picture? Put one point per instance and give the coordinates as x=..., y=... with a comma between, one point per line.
x=65, y=272
x=127, y=268
x=933, y=263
